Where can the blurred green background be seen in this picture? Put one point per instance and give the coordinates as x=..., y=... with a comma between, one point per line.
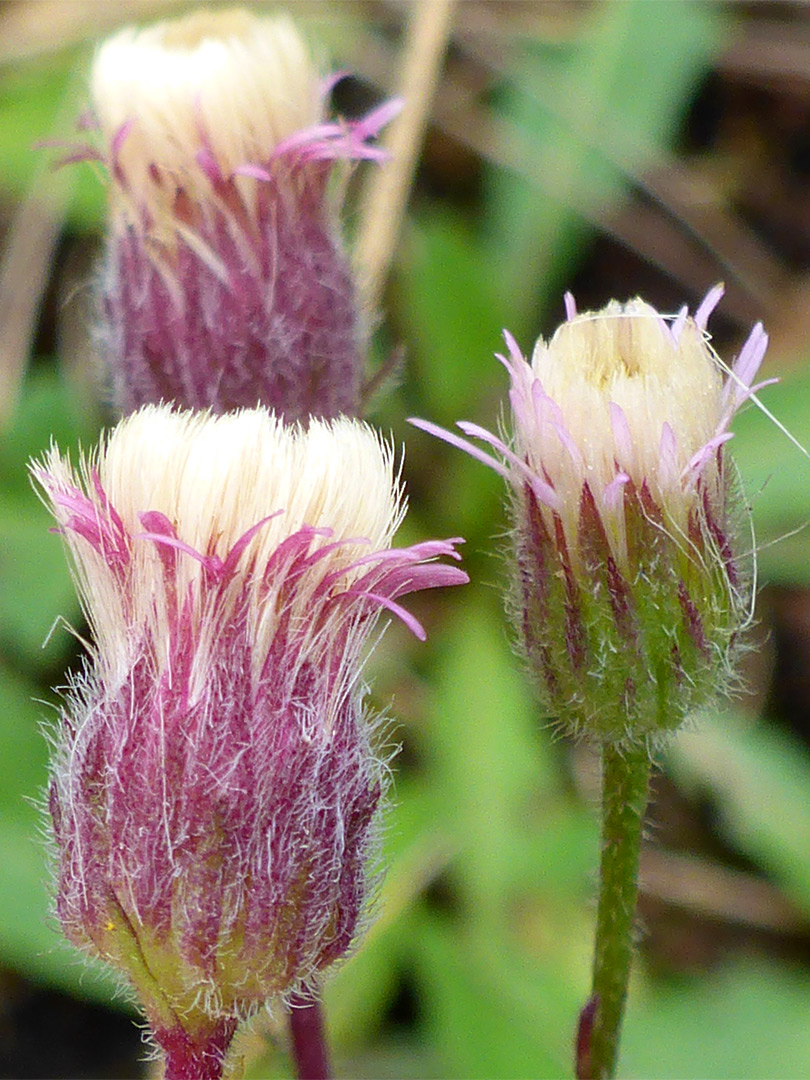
x=614, y=148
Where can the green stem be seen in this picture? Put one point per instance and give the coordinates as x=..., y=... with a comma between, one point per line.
x=625, y=785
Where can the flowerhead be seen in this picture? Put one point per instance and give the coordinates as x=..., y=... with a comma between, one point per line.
x=225, y=282
x=629, y=587
x=215, y=783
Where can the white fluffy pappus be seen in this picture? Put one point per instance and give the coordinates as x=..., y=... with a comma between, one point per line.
x=235, y=83
x=218, y=480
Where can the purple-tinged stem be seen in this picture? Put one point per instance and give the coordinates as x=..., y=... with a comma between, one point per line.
x=582, y=1043
x=308, y=1040
x=197, y=1055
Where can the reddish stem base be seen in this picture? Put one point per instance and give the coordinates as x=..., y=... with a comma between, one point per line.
x=198, y=1055
x=308, y=1040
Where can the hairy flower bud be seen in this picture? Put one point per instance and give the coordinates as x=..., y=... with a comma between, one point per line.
x=215, y=784
x=630, y=591
x=225, y=283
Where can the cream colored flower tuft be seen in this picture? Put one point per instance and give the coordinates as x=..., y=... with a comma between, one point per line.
x=233, y=83
x=213, y=479
x=625, y=358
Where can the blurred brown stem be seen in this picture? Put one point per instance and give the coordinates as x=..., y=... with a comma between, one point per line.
x=387, y=193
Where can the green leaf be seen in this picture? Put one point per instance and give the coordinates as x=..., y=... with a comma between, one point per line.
x=579, y=122
x=454, y=322
x=776, y=478
x=758, y=778
x=744, y=1022
x=35, y=586
x=29, y=99
x=487, y=753
x=51, y=411
x=415, y=854
x=40, y=100
x=488, y=1014
x=29, y=940
x=23, y=751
